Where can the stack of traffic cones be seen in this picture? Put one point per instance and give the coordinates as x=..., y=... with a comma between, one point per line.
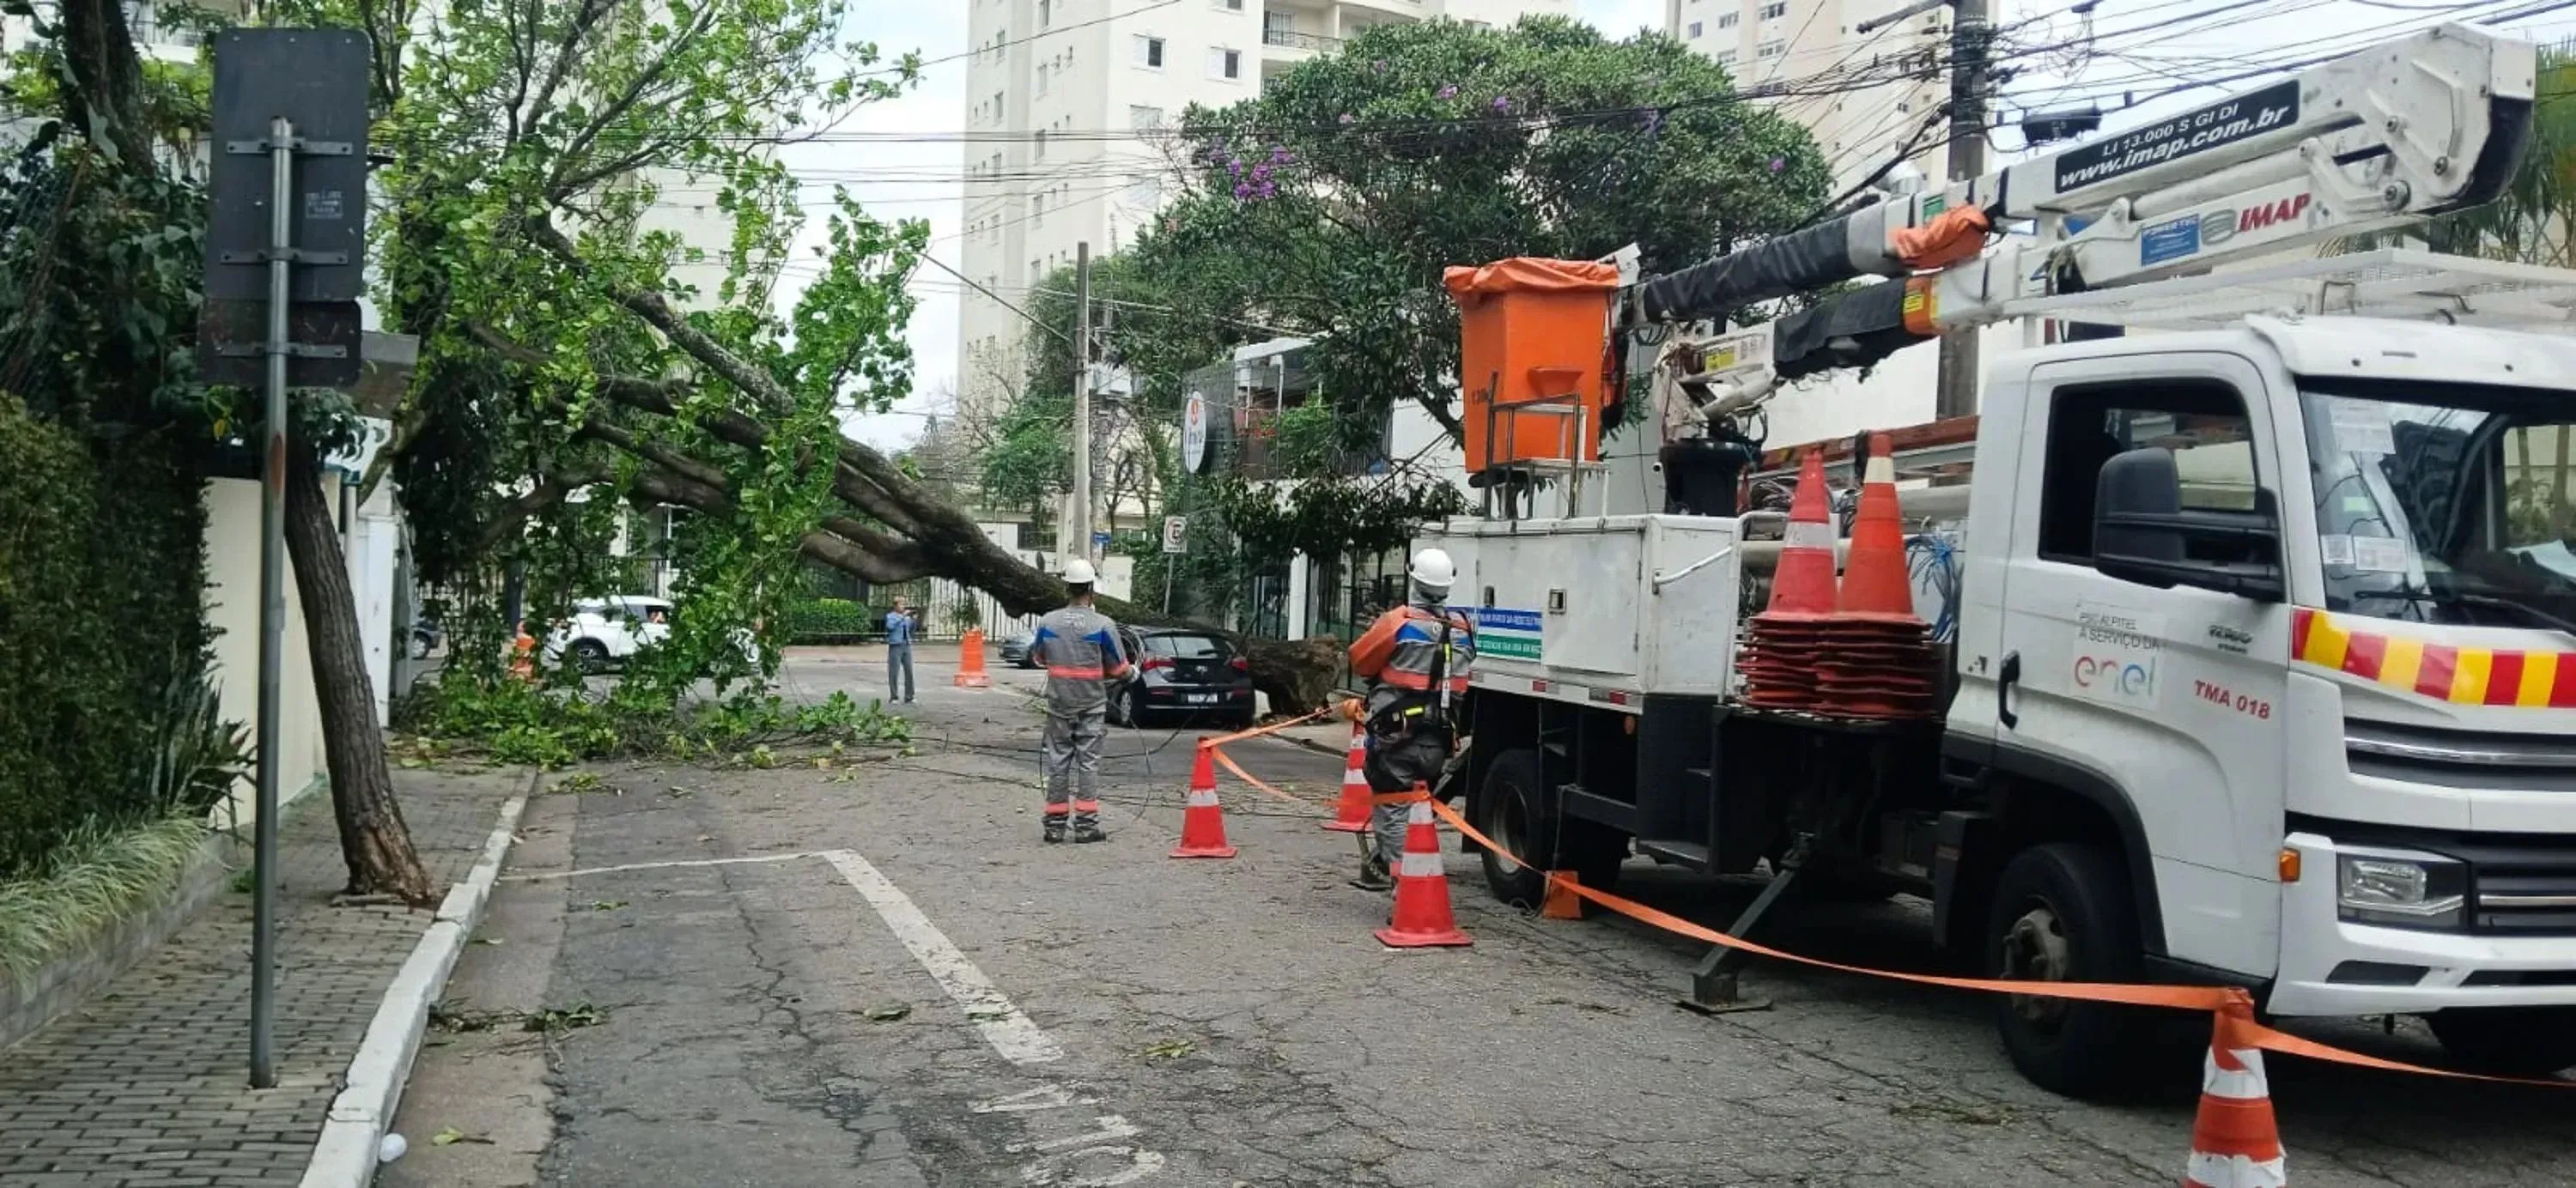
x=2235, y=1143
x=1781, y=644
x=1352, y=815
x=1877, y=660
x=1203, y=823
x=1422, y=915
x=970, y=661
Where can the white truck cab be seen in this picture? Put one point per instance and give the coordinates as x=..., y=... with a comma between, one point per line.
x=2317, y=683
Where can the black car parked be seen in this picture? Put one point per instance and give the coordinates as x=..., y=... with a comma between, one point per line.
x=1185, y=674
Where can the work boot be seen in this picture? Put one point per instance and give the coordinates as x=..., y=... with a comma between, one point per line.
x=1374, y=875
x=1087, y=832
x=1054, y=833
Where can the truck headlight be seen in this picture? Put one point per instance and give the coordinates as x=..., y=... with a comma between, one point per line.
x=2403, y=889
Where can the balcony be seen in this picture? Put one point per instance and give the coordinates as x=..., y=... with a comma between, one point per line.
x=1291, y=39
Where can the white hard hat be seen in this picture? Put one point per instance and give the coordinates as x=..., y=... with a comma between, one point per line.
x=1433, y=570
x=1079, y=572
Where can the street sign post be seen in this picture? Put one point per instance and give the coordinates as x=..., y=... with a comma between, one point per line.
x=1175, y=532
x=285, y=248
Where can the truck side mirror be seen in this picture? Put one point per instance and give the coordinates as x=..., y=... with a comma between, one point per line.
x=2142, y=534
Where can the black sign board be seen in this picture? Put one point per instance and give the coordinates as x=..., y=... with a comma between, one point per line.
x=316, y=78
x=232, y=338
x=2220, y=124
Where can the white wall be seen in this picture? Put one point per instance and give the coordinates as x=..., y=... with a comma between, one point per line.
x=232, y=611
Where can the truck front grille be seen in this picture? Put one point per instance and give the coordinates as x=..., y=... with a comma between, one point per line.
x=2520, y=886
x=2461, y=758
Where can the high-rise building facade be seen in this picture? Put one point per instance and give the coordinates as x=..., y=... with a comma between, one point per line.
x=1063, y=102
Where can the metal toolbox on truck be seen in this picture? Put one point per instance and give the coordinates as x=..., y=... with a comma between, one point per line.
x=1602, y=609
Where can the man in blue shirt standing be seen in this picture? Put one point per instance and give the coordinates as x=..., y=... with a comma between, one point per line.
x=898, y=625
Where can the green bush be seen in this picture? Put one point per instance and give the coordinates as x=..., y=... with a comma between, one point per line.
x=832, y=621
x=102, y=632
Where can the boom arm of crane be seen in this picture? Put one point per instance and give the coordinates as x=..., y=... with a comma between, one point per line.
x=2400, y=132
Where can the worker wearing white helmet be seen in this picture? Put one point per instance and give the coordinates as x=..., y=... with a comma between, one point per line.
x=1419, y=656
x=1079, y=647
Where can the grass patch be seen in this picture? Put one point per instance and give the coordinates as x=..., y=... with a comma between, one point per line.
x=93, y=882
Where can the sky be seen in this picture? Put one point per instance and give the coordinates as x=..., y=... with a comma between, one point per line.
x=920, y=180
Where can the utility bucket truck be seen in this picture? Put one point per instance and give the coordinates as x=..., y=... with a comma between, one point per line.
x=2264, y=664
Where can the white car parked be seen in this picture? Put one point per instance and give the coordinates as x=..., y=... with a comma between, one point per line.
x=607, y=631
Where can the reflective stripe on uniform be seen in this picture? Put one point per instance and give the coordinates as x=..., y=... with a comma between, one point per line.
x=1074, y=674
x=1086, y=806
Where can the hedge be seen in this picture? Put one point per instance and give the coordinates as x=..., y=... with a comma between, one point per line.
x=101, y=573
x=833, y=621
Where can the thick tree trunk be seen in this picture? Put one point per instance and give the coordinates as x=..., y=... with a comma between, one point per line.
x=374, y=841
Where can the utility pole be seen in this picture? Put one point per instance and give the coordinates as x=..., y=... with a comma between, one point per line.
x=1970, y=29
x=1081, y=402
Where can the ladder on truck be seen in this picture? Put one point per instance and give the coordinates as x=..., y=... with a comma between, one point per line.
x=2406, y=284
x=2128, y=229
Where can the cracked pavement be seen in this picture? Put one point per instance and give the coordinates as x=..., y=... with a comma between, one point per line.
x=1232, y=1022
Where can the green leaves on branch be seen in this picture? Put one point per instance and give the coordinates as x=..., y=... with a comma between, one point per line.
x=1332, y=517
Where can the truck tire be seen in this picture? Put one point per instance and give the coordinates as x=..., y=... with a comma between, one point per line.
x=2509, y=1041
x=1518, y=810
x=2061, y=913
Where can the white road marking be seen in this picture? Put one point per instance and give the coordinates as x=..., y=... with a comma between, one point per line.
x=541, y=875
x=1009, y=1032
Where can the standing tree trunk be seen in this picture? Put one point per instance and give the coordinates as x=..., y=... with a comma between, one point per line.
x=374, y=841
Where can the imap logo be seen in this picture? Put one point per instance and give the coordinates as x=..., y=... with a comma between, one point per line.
x=2116, y=678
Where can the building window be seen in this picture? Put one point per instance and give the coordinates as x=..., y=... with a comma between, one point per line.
x=1145, y=118
x=1724, y=57
x=1694, y=30
x=1041, y=144
x=1230, y=5
x=1034, y=275
x=1044, y=7
x=1225, y=63
x=1149, y=52
x=1770, y=49
x=1770, y=12
x=1037, y=209
x=1726, y=20
x=1042, y=78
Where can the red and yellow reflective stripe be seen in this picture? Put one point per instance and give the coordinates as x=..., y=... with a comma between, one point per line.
x=2463, y=676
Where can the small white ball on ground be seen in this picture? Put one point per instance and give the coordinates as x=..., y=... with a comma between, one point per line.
x=392, y=1148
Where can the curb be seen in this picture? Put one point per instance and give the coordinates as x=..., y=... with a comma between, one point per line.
x=345, y=1155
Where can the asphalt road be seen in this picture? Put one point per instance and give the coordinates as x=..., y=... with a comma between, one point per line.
x=872, y=973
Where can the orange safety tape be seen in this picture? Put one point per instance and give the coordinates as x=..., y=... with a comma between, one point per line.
x=2208, y=998
x=1227, y=762
x=1258, y=731
x=2180, y=997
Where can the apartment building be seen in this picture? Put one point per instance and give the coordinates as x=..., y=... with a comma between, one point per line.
x=1863, y=96
x=1810, y=50
x=1065, y=100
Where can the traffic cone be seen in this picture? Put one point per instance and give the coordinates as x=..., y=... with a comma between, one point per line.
x=1422, y=915
x=1560, y=902
x=1203, y=823
x=970, y=660
x=1802, y=586
x=1875, y=582
x=1781, y=643
x=523, y=655
x=2234, y=1142
x=1353, y=816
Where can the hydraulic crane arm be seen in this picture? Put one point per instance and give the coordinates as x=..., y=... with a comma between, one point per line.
x=2400, y=132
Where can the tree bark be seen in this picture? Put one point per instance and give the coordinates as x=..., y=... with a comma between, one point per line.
x=374, y=841
x=105, y=100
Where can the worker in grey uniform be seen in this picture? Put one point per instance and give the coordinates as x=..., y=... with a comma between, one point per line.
x=1419, y=655
x=1079, y=648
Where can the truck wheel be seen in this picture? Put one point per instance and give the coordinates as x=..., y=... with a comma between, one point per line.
x=1518, y=810
x=2510, y=1041
x=590, y=655
x=2061, y=914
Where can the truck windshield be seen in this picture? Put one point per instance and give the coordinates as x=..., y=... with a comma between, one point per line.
x=2445, y=503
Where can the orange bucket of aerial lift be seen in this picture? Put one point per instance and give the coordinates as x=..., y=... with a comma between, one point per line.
x=1534, y=347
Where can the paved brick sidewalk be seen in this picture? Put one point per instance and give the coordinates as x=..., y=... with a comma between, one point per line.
x=147, y=1084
